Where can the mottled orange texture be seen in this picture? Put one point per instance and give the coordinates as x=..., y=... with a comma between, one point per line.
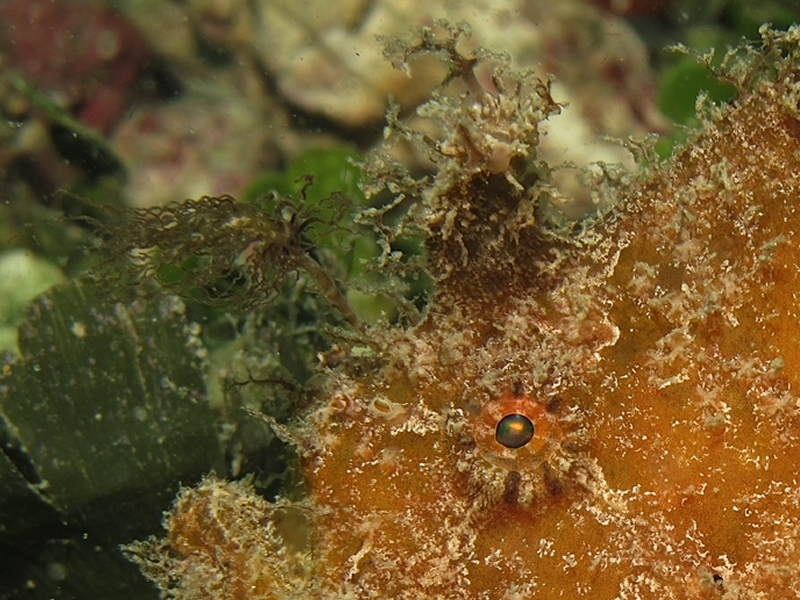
x=662, y=343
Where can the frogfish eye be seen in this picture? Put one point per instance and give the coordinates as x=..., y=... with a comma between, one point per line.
x=514, y=431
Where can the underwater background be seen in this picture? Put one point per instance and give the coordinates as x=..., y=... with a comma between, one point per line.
x=126, y=375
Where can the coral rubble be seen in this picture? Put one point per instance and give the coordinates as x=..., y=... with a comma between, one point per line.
x=652, y=351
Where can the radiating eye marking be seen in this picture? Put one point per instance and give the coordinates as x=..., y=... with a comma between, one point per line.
x=514, y=431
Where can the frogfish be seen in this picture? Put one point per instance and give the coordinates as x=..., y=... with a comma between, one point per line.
x=603, y=409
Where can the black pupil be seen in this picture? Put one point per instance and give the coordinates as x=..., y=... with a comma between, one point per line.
x=514, y=431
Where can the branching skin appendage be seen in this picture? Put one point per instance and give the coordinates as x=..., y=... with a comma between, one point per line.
x=607, y=412
x=235, y=255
